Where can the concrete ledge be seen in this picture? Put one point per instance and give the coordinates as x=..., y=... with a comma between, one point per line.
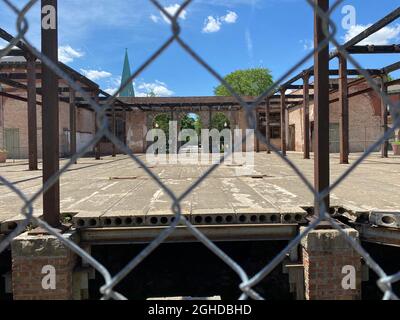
x=327, y=240
x=30, y=246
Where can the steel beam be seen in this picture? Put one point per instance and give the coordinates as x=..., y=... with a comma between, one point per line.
x=182, y=234
x=125, y=121
x=267, y=124
x=372, y=49
x=72, y=122
x=384, y=117
x=97, y=151
x=283, y=122
x=344, y=111
x=15, y=97
x=306, y=115
x=50, y=113
x=321, y=105
x=391, y=68
x=32, y=117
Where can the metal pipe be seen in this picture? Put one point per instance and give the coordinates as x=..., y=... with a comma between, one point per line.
x=321, y=105
x=32, y=117
x=344, y=111
x=50, y=113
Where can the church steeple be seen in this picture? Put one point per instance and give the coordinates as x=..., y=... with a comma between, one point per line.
x=126, y=74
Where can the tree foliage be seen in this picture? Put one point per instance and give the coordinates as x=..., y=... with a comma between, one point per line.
x=250, y=82
x=220, y=122
x=161, y=122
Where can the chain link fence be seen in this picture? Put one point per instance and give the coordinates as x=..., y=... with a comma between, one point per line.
x=248, y=282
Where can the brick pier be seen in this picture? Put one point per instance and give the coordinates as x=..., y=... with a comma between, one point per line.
x=329, y=262
x=42, y=268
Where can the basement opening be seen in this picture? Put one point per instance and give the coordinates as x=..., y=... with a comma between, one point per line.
x=388, y=258
x=190, y=269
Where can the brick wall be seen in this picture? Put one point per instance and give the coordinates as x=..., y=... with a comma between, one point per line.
x=15, y=115
x=364, y=118
x=30, y=254
x=325, y=255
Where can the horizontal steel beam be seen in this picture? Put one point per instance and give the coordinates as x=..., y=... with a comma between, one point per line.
x=354, y=72
x=15, y=97
x=181, y=234
x=371, y=49
x=379, y=235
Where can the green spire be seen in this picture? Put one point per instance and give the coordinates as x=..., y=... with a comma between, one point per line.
x=126, y=74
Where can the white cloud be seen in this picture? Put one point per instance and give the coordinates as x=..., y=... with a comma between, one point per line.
x=114, y=85
x=154, y=18
x=111, y=91
x=214, y=24
x=172, y=10
x=95, y=74
x=231, y=17
x=307, y=44
x=143, y=89
x=385, y=36
x=160, y=89
x=67, y=54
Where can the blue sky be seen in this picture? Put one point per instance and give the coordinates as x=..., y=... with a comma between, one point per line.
x=228, y=34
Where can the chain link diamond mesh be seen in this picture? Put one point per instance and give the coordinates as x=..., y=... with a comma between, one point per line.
x=248, y=282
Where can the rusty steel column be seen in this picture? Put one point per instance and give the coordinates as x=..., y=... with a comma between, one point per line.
x=257, y=115
x=321, y=105
x=306, y=115
x=32, y=117
x=72, y=122
x=113, y=124
x=97, y=152
x=210, y=150
x=283, y=121
x=125, y=131
x=344, y=110
x=384, y=115
x=50, y=113
x=268, y=123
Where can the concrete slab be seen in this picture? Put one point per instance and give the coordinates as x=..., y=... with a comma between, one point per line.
x=117, y=189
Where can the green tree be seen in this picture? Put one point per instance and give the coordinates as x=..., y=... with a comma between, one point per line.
x=162, y=122
x=250, y=82
x=188, y=122
x=220, y=122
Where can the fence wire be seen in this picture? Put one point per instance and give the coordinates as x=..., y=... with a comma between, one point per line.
x=248, y=282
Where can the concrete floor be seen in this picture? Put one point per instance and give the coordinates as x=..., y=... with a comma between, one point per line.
x=119, y=185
